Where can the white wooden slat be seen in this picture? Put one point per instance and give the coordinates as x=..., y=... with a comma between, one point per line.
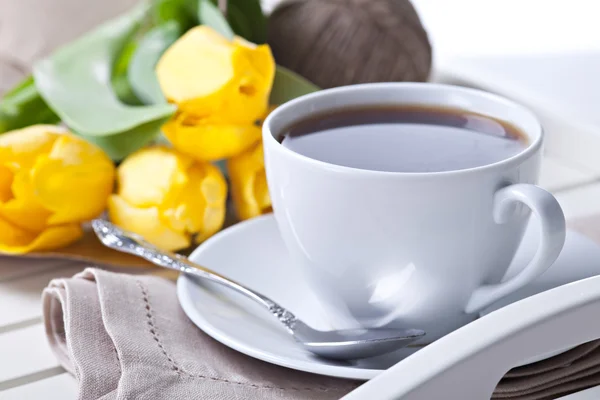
x=20, y=300
x=63, y=387
x=558, y=175
x=14, y=268
x=581, y=201
x=24, y=352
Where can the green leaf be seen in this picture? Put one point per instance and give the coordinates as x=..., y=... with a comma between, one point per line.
x=123, y=91
x=23, y=106
x=288, y=85
x=75, y=81
x=164, y=11
x=140, y=73
x=120, y=146
x=210, y=15
x=239, y=23
x=17, y=91
x=124, y=57
x=191, y=9
x=254, y=19
x=119, y=81
x=246, y=19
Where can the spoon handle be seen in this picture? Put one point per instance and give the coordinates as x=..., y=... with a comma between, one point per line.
x=127, y=242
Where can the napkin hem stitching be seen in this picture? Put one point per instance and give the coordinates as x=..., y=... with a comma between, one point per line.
x=179, y=370
x=252, y=385
x=152, y=326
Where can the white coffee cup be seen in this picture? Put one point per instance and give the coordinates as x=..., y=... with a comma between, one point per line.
x=419, y=250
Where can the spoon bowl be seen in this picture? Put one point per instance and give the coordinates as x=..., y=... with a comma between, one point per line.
x=348, y=344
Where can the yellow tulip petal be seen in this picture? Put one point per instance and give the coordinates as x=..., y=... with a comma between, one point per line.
x=73, y=150
x=261, y=192
x=24, y=210
x=255, y=71
x=184, y=209
x=74, y=193
x=73, y=180
x=214, y=191
x=200, y=207
x=214, y=187
x=146, y=222
x=11, y=235
x=266, y=113
x=249, y=190
x=147, y=176
x=14, y=240
x=206, y=140
x=21, y=147
x=176, y=216
x=259, y=56
x=214, y=217
x=54, y=237
x=6, y=178
x=21, y=214
x=195, y=71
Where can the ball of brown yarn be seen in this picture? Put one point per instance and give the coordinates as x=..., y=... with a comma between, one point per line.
x=342, y=42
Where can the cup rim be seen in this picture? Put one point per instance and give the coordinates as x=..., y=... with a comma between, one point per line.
x=535, y=144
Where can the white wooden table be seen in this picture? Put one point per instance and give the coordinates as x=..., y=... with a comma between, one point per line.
x=28, y=370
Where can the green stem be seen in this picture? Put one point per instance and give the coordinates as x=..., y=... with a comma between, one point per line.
x=23, y=106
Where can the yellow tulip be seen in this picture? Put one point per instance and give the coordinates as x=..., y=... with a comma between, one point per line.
x=249, y=190
x=209, y=140
x=168, y=198
x=221, y=88
x=50, y=182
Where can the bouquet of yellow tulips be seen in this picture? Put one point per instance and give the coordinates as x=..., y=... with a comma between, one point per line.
x=160, y=115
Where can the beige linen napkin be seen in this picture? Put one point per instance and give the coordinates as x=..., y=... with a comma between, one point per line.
x=126, y=337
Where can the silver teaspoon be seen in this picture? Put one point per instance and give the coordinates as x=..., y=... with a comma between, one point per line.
x=340, y=344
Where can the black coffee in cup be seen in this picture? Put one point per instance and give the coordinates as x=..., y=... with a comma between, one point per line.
x=408, y=138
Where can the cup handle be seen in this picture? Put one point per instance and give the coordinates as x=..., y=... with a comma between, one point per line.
x=553, y=232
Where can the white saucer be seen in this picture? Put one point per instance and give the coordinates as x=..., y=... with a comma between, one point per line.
x=253, y=253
